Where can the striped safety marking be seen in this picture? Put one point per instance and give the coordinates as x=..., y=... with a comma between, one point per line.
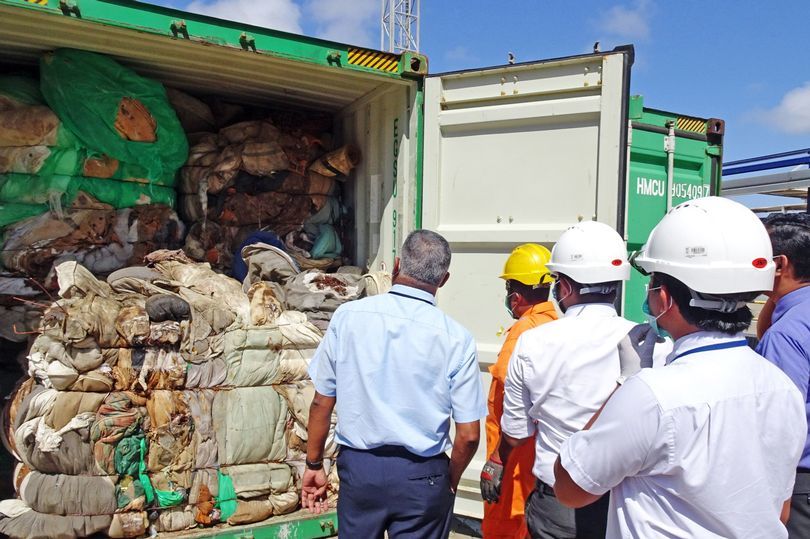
x=40, y=2
x=374, y=59
x=691, y=124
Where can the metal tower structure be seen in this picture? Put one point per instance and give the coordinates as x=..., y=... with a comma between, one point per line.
x=400, y=26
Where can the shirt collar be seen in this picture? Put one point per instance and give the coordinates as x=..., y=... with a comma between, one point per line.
x=414, y=293
x=540, y=308
x=788, y=301
x=698, y=339
x=591, y=309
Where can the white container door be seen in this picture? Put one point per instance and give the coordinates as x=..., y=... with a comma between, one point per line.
x=517, y=154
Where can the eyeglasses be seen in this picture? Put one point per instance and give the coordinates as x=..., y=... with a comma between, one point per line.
x=632, y=259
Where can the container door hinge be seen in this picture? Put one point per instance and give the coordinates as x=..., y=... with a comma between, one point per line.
x=70, y=8
x=333, y=58
x=178, y=28
x=328, y=525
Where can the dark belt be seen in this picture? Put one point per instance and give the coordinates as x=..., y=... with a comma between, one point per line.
x=802, y=485
x=545, y=489
x=394, y=451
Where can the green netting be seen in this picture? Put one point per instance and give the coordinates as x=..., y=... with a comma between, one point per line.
x=11, y=212
x=85, y=91
x=62, y=190
x=21, y=89
x=226, y=500
x=51, y=160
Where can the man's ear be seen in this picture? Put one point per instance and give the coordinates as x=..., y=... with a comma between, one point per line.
x=782, y=264
x=395, y=271
x=667, y=301
x=444, y=279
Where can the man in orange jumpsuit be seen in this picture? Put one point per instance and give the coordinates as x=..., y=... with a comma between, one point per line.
x=527, y=288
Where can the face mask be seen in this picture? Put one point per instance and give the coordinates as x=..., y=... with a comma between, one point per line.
x=652, y=319
x=507, y=302
x=552, y=297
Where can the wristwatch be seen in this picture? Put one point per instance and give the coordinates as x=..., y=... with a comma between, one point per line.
x=316, y=465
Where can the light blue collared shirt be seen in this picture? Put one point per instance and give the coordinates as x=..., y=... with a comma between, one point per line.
x=400, y=369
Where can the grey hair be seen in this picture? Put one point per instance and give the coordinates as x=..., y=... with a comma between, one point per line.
x=425, y=257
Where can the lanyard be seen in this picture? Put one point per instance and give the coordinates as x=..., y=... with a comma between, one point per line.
x=412, y=297
x=718, y=346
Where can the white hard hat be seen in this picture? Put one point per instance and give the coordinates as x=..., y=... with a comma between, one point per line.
x=712, y=245
x=590, y=252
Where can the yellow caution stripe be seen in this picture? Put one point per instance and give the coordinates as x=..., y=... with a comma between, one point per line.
x=40, y=2
x=695, y=125
x=374, y=59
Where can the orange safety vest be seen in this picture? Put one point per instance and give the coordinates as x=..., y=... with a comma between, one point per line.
x=505, y=518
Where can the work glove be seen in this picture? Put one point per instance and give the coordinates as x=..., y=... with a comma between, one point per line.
x=636, y=351
x=491, y=476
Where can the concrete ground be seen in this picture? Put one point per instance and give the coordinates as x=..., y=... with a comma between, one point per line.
x=464, y=528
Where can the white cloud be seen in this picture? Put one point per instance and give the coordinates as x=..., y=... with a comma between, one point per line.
x=355, y=22
x=282, y=15
x=458, y=53
x=627, y=22
x=792, y=114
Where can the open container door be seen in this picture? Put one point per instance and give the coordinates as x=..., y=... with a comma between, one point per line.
x=517, y=154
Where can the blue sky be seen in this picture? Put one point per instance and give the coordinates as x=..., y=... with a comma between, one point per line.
x=736, y=60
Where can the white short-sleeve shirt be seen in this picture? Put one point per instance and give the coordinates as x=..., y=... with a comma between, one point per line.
x=704, y=447
x=559, y=375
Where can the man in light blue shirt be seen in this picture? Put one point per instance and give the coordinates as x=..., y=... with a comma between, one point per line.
x=786, y=343
x=397, y=370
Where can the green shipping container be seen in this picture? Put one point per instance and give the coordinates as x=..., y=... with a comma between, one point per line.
x=673, y=158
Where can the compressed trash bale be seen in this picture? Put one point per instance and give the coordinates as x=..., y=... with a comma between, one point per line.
x=337, y=163
x=120, y=416
x=129, y=118
x=74, y=455
x=263, y=158
x=265, y=307
x=249, y=424
x=319, y=294
x=34, y=525
x=377, y=282
x=32, y=189
x=69, y=404
x=33, y=126
x=256, y=130
x=127, y=525
x=299, y=396
x=175, y=520
x=69, y=495
x=164, y=307
x=48, y=161
x=18, y=91
x=194, y=115
x=252, y=480
x=273, y=354
x=94, y=234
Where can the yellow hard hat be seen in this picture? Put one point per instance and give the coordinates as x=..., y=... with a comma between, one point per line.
x=527, y=264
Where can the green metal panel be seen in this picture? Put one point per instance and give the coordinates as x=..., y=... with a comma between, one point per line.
x=697, y=171
x=299, y=525
x=160, y=20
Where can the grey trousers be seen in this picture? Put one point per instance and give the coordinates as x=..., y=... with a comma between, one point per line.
x=547, y=518
x=799, y=524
